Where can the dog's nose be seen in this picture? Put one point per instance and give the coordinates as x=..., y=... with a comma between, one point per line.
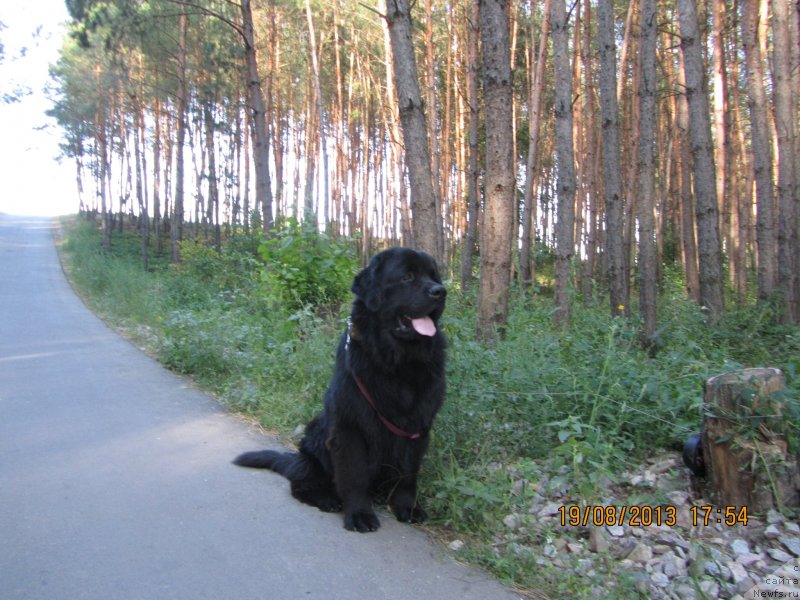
x=437, y=291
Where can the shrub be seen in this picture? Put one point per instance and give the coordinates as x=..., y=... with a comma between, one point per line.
x=307, y=267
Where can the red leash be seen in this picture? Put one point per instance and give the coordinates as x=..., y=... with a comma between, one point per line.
x=387, y=423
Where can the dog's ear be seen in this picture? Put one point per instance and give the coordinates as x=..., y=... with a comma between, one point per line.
x=361, y=283
x=365, y=288
x=366, y=285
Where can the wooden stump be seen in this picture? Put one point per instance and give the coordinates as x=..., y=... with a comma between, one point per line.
x=744, y=447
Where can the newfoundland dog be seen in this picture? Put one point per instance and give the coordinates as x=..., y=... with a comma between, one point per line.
x=387, y=386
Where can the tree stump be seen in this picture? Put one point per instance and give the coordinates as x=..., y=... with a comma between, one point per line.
x=744, y=446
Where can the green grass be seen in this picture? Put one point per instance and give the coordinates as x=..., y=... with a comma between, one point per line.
x=571, y=409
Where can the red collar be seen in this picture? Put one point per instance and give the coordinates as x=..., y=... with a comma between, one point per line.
x=386, y=422
x=352, y=334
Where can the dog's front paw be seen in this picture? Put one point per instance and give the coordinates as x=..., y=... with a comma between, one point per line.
x=407, y=514
x=363, y=522
x=329, y=503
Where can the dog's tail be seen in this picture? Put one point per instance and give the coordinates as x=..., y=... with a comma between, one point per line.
x=280, y=462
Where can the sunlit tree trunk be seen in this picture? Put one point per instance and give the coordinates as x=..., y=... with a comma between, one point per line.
x=473, y=174
x=499, y=194
x=412, y=118
x=321, y=125
x=258, y=119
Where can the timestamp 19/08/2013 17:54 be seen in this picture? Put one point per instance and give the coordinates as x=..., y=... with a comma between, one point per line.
x=646, y=515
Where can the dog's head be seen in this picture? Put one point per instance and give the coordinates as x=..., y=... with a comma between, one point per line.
x=403, y=290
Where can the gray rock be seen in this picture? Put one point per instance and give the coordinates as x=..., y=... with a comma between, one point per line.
x=456, y=545
x=519, y=549
x=641, y=552
x=709, y=588
x=791, y=544
x=779, y=555
x=673, y=566
x=748, y=559
x=772, y=532
x=574, y=547
x=678, y=497
x=622, y=548
x=598, y=539
x=740, y=547
x=513, y=521
x=685, y=592
x=738, y=573
x=774, y=517
x=673, y=540
x=712, y=568
x=616, y=530
x=660, y=580
x=792, y=527
x=550, y=509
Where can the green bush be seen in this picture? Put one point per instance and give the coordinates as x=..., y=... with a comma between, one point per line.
x=307, y=267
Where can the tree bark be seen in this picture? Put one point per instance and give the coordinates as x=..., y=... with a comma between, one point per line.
x=748, y=465
x=612, y=184
x=565, y=244
x=176, y=222
x=788, y=192
x=648, y=261
x=536, y=85
x=412, y=119
x=320, y=115
x=473, y=174
x=687, y=212
x=500, y=189
x=708, y=241
x=258, y=120
x=762, y=151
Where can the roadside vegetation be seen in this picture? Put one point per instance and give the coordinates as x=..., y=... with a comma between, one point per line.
x=543, y=409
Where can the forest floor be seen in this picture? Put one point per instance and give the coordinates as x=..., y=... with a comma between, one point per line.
x=514, y=476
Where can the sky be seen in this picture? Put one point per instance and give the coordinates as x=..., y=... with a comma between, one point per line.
x=32, y=181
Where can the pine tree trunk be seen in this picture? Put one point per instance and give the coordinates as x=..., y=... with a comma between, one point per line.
x=536, y=85
x=473, y=174
x=788, y=189
x=259, y=120
x=321, y=128
x=687, y=212
x=213, y=190
x=615, y=247
x=648, y=266
x=566, y=161
x=500, y=189
x=708, y=242
x=415, y=136
x=176, y=222
x=762, y=151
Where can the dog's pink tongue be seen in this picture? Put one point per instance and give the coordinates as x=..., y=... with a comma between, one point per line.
x=424, y=326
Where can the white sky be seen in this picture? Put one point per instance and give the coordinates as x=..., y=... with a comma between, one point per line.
x=32, y=182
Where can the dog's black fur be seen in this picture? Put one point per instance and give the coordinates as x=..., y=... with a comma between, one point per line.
x=348, y=455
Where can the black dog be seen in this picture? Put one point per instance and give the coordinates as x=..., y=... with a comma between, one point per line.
x=387, y=386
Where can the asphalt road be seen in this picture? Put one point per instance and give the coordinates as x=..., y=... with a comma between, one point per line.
x=116, y=482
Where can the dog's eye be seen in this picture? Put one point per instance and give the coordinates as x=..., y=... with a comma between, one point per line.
x=407, y=278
